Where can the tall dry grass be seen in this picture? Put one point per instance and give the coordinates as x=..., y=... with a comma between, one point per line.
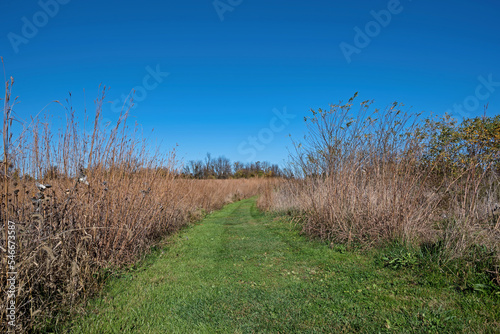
x=364, y=181
x=85, y=201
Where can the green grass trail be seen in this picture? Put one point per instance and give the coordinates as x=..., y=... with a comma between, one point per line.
x=242, y=271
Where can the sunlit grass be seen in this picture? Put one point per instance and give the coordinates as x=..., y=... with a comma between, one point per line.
x=241, y=271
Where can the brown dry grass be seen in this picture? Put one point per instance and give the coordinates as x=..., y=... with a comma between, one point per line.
x=109, y=201
x=363, y=183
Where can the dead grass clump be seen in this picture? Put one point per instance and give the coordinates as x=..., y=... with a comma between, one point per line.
x=373, y=178
x=84, y=202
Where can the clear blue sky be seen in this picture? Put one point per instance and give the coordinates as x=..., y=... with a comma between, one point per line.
x=231, y=66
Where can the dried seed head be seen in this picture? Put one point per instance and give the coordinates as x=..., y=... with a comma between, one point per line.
x=83, y=179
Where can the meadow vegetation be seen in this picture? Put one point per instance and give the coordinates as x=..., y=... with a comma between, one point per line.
x=87, y=200
x=425, y=189
x=240, y=270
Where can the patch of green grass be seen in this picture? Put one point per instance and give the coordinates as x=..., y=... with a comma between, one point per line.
x=242, y=271
x=475, y=272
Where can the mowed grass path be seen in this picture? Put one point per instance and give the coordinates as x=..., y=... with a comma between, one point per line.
x=241, y=271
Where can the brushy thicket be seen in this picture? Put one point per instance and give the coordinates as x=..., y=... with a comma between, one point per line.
x=385, y=176
x=86, y=202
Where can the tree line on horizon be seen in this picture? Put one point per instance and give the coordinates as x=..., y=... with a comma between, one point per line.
x=222, y=168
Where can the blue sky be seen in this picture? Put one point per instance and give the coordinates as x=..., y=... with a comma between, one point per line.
x=242, y=74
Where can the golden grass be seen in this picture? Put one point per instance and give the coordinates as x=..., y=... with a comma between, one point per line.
x=365, y=182
x=85, y=202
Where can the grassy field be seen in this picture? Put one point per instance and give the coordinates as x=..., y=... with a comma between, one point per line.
x=243, y=271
